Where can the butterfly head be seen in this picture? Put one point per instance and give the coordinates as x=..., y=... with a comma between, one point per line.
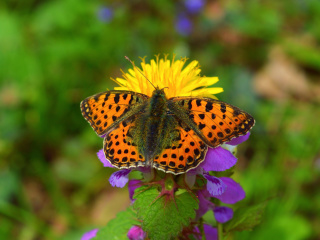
x=159, y=93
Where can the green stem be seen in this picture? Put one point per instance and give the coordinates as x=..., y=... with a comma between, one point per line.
x=201, y=229
x=220, y=231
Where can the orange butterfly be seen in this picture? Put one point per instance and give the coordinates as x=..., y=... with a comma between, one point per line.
x=172, y=135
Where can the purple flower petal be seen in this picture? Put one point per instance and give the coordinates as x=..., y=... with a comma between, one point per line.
x=183, y=25
x=234, y=192
x=103, y=159
x=89, y=235
x=194, y=6
x=238, y=140
x=136, y=233
x=223, y=214
x=214, y=185
x=133, y=185
x=119, y=178
x=218, y=159
x=210, y=232
x=105, y=14
x=204, y=203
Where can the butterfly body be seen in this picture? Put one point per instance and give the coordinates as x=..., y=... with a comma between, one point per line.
x=172, y=135
x=152, y=128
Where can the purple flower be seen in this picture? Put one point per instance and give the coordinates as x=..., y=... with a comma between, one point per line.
x=105, y=14
x=223, y=214
x=238, y=140
x=204, y=203
x=183, y=25
x=194, y=6
x=89, y=235
x=132, y=186
x=136, y=233
x=214, y=185
x=103, y=159
x=218, y=159
x=210, y=232
x=233, y=192
x=117, y=179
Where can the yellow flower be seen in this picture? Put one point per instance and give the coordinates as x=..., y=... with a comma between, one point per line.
x=178, y=80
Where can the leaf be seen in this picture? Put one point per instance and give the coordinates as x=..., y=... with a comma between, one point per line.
x=118, y=227
x=164, y=217
x=246, y=218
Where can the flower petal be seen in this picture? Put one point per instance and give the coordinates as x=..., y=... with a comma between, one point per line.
x=239, y=140
x=136, y=233
x=233, y=193
x=119, y=178
x=214, y=185
x=183, y=25
x=89, y=235
x=103, y=159
x=230, y=148
x=204, y=203
x=133, y=185
x=194, y=6
x=105, y=14
x=210, y=232
x=218, y=159
x=223, y=214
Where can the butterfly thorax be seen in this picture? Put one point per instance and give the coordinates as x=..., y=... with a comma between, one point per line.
x=153, y=126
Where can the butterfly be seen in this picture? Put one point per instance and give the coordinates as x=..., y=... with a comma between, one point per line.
x=172, y=135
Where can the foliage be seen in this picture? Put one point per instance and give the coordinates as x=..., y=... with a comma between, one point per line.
x=118, y=228
x=164, y=218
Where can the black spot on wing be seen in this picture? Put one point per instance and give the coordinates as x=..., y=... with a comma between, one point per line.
x=117, y=98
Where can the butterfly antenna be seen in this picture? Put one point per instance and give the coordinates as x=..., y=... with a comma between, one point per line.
x=140, y=71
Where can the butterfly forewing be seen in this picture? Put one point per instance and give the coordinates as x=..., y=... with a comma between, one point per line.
x=217, y=121
x=103, y=109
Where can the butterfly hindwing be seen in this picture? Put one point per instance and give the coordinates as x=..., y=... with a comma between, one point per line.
x=103, y=109
x=185, y=153
x=120, y=149
x=217, y=121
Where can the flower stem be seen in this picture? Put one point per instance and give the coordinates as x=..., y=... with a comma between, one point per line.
x=201, y=229
x=220, y=231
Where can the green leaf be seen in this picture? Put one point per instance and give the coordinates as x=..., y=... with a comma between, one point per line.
x=246, y=218
x=164, y=217
x=118, y=227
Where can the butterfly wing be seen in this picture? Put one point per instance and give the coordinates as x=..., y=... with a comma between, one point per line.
x=105, y=110
x=119, y=147
x=186, y=152
x=214, y=121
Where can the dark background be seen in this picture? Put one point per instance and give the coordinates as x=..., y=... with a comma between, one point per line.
x=53, y=54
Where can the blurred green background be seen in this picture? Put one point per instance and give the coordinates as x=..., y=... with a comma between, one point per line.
x=53, y=54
